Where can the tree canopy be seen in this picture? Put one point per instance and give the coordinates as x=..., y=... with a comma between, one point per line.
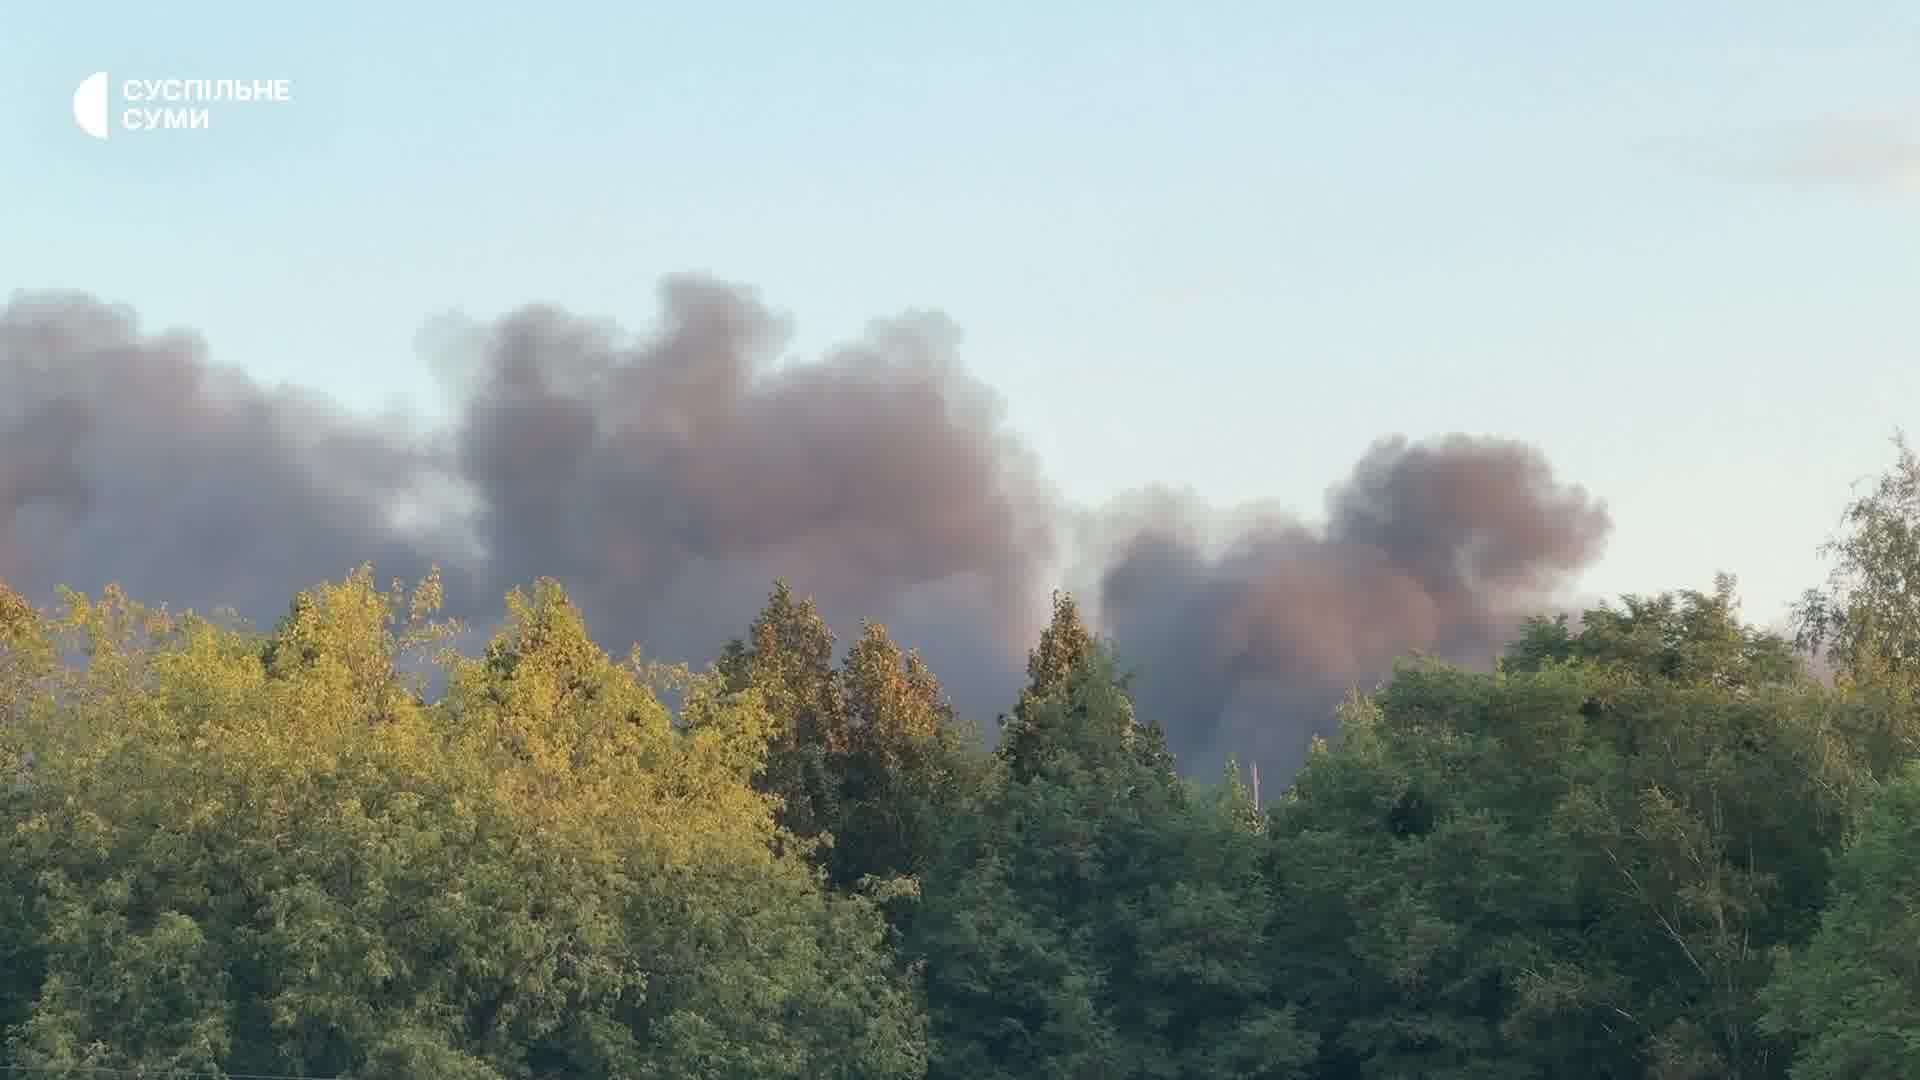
x=1648, y=843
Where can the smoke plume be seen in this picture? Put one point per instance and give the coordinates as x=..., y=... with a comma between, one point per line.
x=1251, y=641
x=129, y=458
x=667, y=478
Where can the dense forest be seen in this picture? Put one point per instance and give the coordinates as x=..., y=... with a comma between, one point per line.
x=1651, y=842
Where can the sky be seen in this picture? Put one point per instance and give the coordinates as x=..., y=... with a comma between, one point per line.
x=1210, y=245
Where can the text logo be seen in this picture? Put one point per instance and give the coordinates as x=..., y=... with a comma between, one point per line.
x=166, y=104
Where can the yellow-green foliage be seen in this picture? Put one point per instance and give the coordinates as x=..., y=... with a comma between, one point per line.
x=268, y=854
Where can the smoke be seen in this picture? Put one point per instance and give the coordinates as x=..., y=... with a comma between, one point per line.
x=670, y=479
x=129, y=458
x=1250, y=641
x=667, y=478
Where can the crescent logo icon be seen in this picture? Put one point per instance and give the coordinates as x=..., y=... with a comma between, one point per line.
x=90, y=105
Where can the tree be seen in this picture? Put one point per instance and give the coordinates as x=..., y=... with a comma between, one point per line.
x=1853, y=991
x=1096, y=919
x=26, y=660
x=910, y=767
x=19, y=622
x=787, y=657
x=1868, y=615
x=1572, y=867
x=1688, y=637
x=266, y=855
x=1065, y=646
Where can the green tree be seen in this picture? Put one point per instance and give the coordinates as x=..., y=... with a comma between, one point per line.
x=1853, y=992
x=1065, y=646
x=24, y=648
x=1867, y=617
x=1097, y=919
x=1688, y=637
x=1572, y=867
x=26, y=659
x=867, y=759
x=787, y=656
x=911, y=767
x=270, y=856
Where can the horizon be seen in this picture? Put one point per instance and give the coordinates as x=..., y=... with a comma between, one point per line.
x=1090, y=254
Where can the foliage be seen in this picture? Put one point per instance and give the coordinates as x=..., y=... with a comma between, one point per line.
x=1854, y=990
x=271, y=857
x=1571, y=868
x=1100, y=920
x=1686, y=638
x=1868, y=615
x=1647, y=845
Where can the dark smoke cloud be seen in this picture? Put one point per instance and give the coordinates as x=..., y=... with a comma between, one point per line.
x=665, y=480
x=668, y=478
x=128, y=458
x=671, y=478
x=1439, y=547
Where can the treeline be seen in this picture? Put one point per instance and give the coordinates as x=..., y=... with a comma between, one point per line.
x=1647, y=845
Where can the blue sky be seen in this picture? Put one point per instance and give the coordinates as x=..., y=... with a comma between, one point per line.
x=1216, y=245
